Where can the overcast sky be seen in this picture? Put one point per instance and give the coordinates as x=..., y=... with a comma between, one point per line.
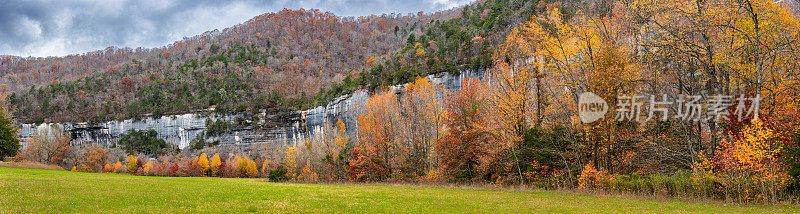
x=58, y=28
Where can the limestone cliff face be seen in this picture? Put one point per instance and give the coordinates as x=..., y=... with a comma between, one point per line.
x=290, y=129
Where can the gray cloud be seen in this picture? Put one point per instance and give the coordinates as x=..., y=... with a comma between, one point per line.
x=57, y=28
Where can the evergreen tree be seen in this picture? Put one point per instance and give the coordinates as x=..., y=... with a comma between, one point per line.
x=9, y=144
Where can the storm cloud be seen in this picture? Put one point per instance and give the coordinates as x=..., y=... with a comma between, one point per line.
x=57, y=28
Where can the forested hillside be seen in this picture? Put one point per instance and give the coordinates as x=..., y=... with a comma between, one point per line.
x=293, y=59
x=275, y=60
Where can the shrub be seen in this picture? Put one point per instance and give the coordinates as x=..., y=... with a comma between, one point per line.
x=432, y=177
x=677, y=184
x=84, y=168
x=278, y=174
x=307, y=175
x=107, y=168
x=591, y=178
x=117, y=167
x=672, y=184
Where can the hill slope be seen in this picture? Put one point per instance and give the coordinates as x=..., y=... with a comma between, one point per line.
x=253, y=65
x=292, y=59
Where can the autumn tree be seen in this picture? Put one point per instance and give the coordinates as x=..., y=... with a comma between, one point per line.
x=132, y=164
x=546, y=63
x=245, y=167
x=462, y=148
x=215, y=165
x=107, y=168
x=203, y=163
x=336, y=150
x=749, y=167
x=420, y=124
x=93, y=157
x=730, y=47
x=370, y=158
x=50, y=145
x=290, y=161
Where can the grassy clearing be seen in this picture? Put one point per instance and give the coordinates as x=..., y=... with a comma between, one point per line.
x=44, y=191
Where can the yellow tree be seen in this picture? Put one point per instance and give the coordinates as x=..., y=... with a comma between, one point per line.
x=203, y=164
x=251, y=170
x=216, y=162
x=147, y=168
x=117, y=166
x=511, y=100
x=334, y=159
x=545, y=64
x=763, y=55
x=749, y=165
x=337, y=140
x=711, y=47
x=421, y=123
x=290, y=160
x=133, y=164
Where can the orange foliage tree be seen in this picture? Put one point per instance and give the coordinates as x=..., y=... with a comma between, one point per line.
x=749, y=165
x=49, y=146
x=370, y=158
x=462, y=148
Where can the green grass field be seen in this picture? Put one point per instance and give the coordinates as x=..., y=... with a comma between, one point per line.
x=46, y=191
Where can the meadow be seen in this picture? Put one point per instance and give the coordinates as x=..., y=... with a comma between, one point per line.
x=55, y=191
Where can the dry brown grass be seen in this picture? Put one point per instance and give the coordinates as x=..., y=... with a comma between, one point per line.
x=519, y=188
x=30, y=165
